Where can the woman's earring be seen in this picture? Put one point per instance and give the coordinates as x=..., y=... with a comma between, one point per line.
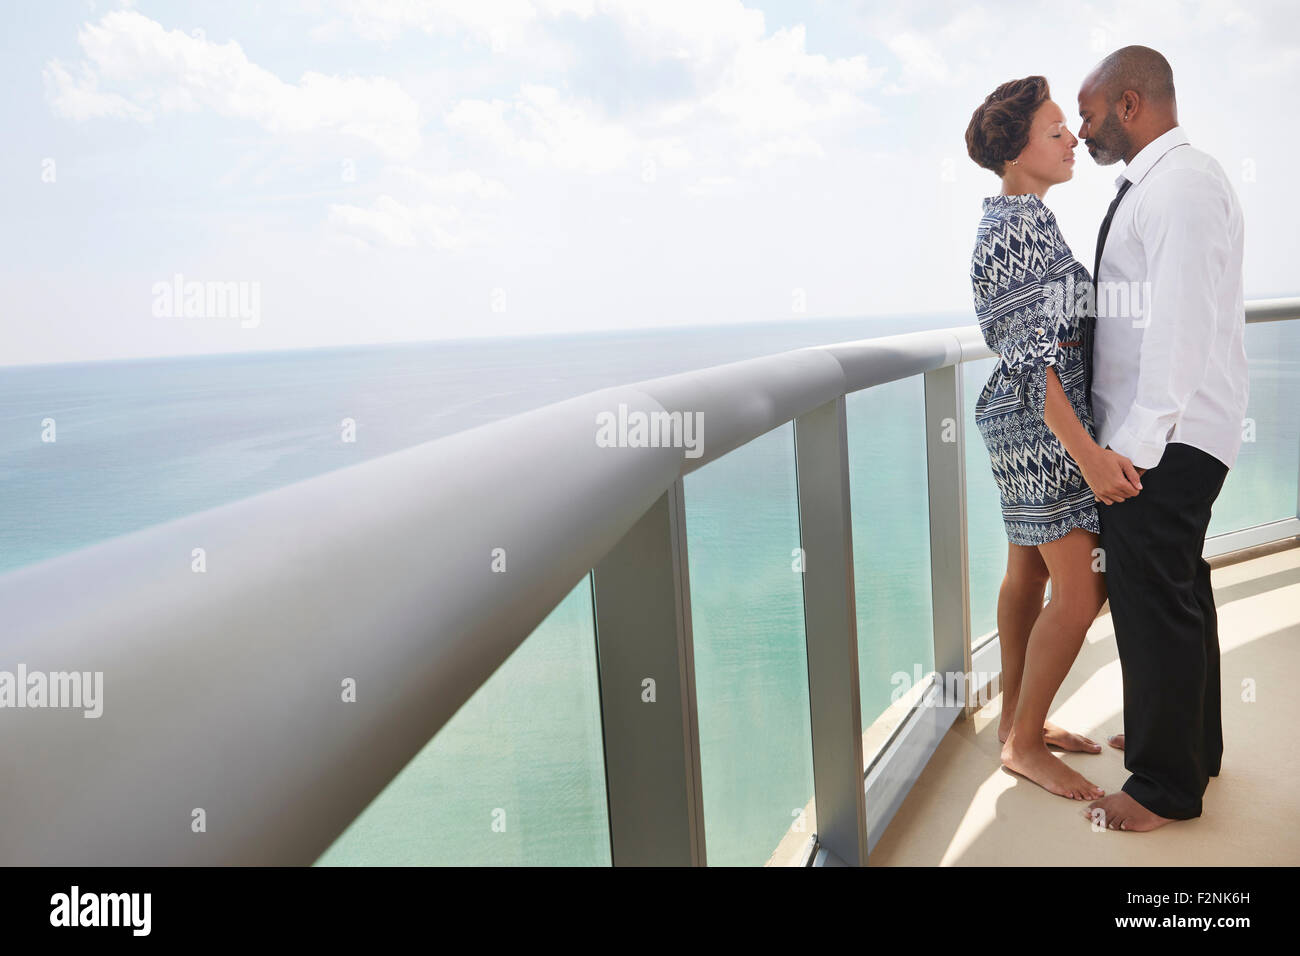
x=1014, y=162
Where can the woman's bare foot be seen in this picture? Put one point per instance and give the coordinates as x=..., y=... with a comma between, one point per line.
x=1117, y=741
x=1040, y=765
x=1119, y=811
x=1059, y=738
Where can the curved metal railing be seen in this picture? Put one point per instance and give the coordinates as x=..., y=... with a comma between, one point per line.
x=252, y=709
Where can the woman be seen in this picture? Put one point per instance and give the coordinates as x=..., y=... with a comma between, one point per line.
x=1035, y=416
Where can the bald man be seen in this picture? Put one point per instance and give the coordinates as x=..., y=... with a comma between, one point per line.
x=1169, y=389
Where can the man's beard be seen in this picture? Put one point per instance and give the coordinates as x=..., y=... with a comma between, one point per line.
x=1110, y=143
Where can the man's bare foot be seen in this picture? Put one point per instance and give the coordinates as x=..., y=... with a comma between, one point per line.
x=1119, y=811
x=1057, y=737
x=1116, y=741
x=1040, y=765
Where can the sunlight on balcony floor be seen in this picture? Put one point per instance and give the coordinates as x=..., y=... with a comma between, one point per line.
x=965, y=810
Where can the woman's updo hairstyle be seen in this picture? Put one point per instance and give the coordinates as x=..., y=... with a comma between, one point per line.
x=999, y=127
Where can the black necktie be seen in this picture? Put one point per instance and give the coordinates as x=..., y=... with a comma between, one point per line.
x=1090, y=326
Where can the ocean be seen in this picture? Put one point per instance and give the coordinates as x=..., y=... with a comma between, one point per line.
x=516, y=776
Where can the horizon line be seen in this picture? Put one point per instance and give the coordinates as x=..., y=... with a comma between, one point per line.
x=483, y=338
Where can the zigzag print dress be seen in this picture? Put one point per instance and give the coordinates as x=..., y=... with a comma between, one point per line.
x=1031, y=299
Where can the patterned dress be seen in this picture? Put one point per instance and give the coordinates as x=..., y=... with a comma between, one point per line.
x=1031, y=296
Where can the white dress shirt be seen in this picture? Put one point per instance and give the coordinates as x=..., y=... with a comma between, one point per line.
x=1169, y=360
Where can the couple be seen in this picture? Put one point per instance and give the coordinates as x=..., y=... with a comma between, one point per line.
x=1118, y=508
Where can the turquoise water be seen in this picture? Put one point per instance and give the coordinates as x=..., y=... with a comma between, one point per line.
x=144, y=441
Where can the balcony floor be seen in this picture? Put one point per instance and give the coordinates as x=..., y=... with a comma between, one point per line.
x=964, y=810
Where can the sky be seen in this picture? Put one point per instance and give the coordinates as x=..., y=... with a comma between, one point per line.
x=347, y=172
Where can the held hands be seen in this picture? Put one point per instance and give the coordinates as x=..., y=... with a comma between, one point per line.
x=1111, y=476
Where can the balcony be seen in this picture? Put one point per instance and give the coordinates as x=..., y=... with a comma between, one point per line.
x=963, y=810
x=343, y=654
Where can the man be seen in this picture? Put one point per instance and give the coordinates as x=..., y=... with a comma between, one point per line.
x=1169, y=390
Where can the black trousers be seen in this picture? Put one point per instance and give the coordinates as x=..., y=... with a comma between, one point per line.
x=1167, y=630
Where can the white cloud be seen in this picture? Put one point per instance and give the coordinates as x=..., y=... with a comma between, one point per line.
x=920, y=61
x=948, y=43
x=699, y=30
x=542, y=126
x=711, y=186
x=545, y=127
x=420, y=208
x=390, y=222
x=81, y=99
x=463, y=183
x=764, y=88
x=789, y=146
x=755, y=95
x=773, y=85
x=134, y=68
x=500, y=22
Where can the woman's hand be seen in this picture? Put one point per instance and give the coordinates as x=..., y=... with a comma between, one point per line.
x=1111, y=476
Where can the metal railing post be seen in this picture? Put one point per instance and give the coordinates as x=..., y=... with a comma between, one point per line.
x=642, y=606
x=945, y=447
x=831, y=628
